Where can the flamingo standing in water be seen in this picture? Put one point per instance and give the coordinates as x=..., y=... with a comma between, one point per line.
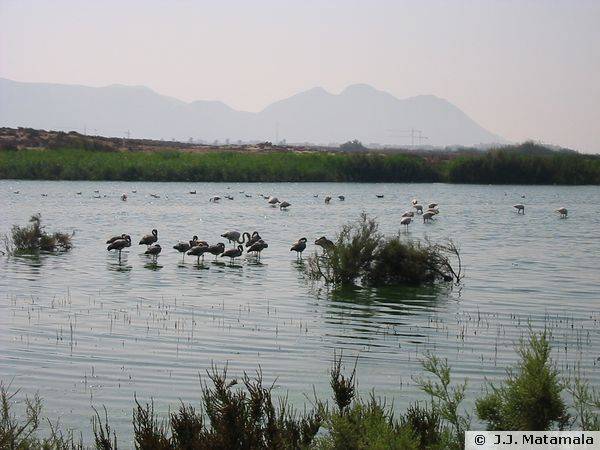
x=520, y=207
x=233, y=253
x=406, y=221
x=299, y=247
x=149, y=238
x=563, y=212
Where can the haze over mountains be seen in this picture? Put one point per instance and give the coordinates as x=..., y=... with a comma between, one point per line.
x=315, y=116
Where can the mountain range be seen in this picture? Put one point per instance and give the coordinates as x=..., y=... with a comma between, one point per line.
x=316, y=116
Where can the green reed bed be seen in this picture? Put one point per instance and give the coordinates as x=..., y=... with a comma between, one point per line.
x=242, y=414
x=522, y=164
x=70, y=164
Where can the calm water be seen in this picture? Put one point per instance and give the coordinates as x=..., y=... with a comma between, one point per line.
x=86, y=330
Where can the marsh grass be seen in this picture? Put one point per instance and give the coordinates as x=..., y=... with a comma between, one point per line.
x=362, y=254
x=33, y=239
x=526, y=163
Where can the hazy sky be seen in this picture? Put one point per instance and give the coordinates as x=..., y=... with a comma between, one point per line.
x=522, y=69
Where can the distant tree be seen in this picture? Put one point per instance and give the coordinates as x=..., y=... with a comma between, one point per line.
x=353, y=146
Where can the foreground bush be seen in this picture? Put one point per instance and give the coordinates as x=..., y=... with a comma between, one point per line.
x=32, y=238
x=530, y=398
x=361, y=253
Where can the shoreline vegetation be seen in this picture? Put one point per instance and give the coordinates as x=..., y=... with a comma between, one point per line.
x=40, y=155
x=242, y=414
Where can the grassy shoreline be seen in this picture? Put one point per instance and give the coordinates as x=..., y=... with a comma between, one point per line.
x=523, y=164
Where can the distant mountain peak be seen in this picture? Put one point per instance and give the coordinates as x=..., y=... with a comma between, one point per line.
x=359, y=87
x=360, y=111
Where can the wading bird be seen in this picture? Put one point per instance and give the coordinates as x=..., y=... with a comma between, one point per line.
x=234, y=236
x=200, y=250
x=520, y=208
x=432, y=205
x=563, y=212
x=327, y=199
x=214, y=199
x=428, y=216
x=149, y=238
x=115, y=238
x=253, y=239
x=284, y=205
x=406, y=221
x=233, y=253
x=120, y=244
x=124, y=196
x=183, y=247
x=257, y=248
x=341, y=197
x=325, y=243
x=153, y=250
x=272, y=201
x=299, y=247
x=418, y=208
x=216, y=249
x=409, y=214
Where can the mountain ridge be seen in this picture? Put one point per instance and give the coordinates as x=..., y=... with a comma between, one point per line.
x=315, y=115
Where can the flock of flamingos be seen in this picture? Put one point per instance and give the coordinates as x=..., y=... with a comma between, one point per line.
x=255, y=244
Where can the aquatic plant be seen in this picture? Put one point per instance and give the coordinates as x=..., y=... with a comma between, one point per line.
x=32, y=238
x=530, y=397
x=362, y=253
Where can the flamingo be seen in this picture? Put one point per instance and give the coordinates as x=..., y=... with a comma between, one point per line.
x=233, y=253
x=124, y=196
x=563, y=212
x=153, y=250
x=327, y=199
x=199, y=250
x=325, y=243
x=520, y=207
x=216, y=249
x=299, y=247
x=273, y=201
x=234, y=236
x=406, y=221
x=419, y=208
x=115, y=238
x=120, y=244
x=428, y=216
x=214, y=199
x=284, y=205
x=149, y=238
x=408, y=214
x=432, y=205
x=183, y=247
x=257, y=247
x=254, y=238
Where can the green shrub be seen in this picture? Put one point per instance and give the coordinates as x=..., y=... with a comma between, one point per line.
x=362, y=254
x=33, y=238
x=530, y=397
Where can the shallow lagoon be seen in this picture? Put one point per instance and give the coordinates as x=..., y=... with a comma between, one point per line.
x=84, y=329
